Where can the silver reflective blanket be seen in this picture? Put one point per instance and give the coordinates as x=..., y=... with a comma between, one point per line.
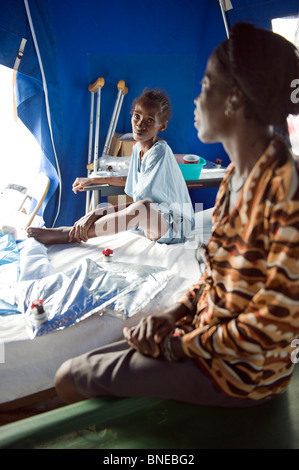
x=120, y=289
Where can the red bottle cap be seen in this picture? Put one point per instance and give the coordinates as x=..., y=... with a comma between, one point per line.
x=107, y=252
x=37, y=303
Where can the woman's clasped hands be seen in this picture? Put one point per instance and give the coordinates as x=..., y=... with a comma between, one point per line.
x=149, y=335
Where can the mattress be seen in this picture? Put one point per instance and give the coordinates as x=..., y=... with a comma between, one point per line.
x=29, y=365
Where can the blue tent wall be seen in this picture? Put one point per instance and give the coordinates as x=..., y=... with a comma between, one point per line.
x=162, y=44
x=143, y=46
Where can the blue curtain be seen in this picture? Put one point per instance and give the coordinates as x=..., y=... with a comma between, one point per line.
x=30, y=95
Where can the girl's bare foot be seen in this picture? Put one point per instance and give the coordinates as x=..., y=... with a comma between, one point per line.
x=49, y=236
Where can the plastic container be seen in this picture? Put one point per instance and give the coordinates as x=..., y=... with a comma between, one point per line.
x=192, y=172
x=191, y=159
x=107, y=254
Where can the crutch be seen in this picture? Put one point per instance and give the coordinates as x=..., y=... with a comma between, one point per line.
x=95, y=87
x=122, y=91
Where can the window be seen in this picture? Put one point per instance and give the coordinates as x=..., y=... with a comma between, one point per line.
x=289, y=28
x=20, y=153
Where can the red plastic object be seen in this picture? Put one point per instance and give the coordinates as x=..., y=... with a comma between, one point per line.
x=107, y=252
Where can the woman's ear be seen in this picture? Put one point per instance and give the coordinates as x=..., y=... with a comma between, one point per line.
x=236, y=98
x=233, y=102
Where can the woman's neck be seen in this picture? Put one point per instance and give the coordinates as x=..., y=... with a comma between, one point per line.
x=246, y=147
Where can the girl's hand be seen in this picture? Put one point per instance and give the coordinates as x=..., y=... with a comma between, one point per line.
x=79, y=231
x=79, y=184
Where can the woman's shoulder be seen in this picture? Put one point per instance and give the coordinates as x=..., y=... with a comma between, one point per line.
x=285, y=177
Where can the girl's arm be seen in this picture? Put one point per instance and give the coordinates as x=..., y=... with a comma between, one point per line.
x=80, y=183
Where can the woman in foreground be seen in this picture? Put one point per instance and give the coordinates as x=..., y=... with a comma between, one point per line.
x=228, y=341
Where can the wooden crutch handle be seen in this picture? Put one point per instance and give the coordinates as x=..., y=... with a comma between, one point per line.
x=122, y=86
x=93, y=87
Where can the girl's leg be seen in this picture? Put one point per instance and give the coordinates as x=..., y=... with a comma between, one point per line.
x=142, y=214
x=49, y=236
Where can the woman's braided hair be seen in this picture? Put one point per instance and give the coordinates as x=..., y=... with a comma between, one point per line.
x=264, y=66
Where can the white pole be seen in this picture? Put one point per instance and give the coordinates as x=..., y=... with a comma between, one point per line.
x=222, y=7
x=48, y=111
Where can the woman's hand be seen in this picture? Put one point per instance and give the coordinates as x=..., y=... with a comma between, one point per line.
x=171, y=348
x=147, y=336
x=79, y=231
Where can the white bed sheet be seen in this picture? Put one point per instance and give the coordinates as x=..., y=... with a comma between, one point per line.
x=29, y=365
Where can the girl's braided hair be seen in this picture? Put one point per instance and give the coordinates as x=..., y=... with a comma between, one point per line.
x=155, y=97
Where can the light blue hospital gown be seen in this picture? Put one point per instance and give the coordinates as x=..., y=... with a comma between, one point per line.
x=157, y=178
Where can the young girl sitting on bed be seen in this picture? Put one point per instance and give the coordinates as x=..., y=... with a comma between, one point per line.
x=161, y=206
